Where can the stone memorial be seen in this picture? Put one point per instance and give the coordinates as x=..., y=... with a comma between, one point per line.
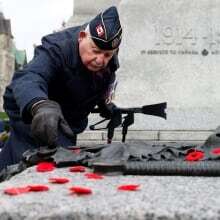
x=170, y=52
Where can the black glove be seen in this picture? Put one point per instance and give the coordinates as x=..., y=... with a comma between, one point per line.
x=47, y=119
x=107, y=110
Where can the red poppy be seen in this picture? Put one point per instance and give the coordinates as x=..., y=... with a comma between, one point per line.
x=76, y=150
x=38, y=188
x=77, y=169
x=194, y=155
x=216, y=151
x=58, y=180
x=131, y=187
x=17, y=190
x=80, y=190
x=45, y=167
x=93, y=176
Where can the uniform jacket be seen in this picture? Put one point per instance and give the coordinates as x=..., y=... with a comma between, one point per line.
x=57, y=73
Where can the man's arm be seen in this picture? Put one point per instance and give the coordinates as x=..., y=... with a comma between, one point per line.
x=30, y=85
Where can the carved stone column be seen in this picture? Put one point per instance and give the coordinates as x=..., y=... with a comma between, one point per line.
x=7, y=60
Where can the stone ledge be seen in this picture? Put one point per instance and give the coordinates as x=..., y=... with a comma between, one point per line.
x=151, y=135
x=184, y=135
x=91, y=135
x=159, y=197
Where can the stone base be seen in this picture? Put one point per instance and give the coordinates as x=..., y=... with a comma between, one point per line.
x=158, y=197
x=148, y=135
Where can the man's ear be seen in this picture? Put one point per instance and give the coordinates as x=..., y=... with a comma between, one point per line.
x=82, y=34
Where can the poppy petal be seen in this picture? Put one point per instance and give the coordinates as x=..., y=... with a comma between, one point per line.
x=194, y=156
x=16, y=190
x=38, y=188
x=77, y=169
x=131, y=187
x=76, y=150
x=45, y=167
x=58, y=180
x=80, y=190
x=93, y=176
x=216, y=151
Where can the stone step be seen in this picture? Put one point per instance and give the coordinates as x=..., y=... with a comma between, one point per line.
x=151, y=135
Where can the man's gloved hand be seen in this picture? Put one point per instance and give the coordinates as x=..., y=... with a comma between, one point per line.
x=47, y=120
x=107, y=110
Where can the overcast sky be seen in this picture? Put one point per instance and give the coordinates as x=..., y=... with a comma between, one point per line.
x=32, y=19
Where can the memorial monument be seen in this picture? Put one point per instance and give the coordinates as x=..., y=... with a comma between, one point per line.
x=170, y=52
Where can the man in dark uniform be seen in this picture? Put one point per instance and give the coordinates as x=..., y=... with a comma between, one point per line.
x=48, y=102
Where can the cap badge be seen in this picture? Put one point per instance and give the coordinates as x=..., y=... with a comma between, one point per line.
x=100, y=30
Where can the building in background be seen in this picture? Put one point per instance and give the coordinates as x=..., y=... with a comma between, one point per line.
x=11, y=58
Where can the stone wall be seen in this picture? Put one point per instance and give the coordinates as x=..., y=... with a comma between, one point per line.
x=170, y=52
x=84, y=10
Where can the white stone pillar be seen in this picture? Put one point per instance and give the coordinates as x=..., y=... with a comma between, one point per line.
x=85, y=10
x=171, y=52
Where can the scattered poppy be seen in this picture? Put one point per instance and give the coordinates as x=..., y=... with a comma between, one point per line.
x=76, y=150
x=131, y=187
x=216, y=151
x=80, y=190
x=38, y=188
x=45, y=167
x=58, y=180
x=93, y=176
x=17, y=190
x=77, y=169
x=26, y=189
x=194, y=156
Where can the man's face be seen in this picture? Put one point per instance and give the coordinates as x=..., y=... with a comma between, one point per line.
x=93, y=58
